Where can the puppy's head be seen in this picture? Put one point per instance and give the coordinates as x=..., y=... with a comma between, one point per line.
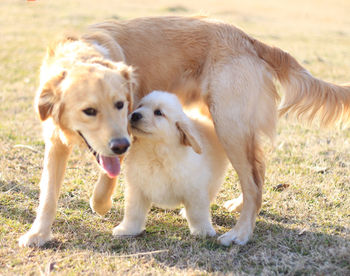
x=159, y=116
x=92, y=102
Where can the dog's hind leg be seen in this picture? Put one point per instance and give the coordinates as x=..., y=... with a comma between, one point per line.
x=56, y=155
x=242, y=102
x=247, y=159
x=101, y=200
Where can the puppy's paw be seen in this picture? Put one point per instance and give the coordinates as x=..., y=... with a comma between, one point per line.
x=206, y=231
x=124, y=231
x=239, y=237
x=101, y=208
x=34, y=239
x=234, y=205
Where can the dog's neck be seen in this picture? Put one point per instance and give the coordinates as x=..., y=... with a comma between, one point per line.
x=161, y=151
x=106, y=45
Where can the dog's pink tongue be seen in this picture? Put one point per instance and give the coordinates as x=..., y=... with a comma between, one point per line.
x=111, y=165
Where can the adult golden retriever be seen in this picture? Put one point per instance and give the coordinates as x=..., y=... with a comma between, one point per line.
x=87, y=85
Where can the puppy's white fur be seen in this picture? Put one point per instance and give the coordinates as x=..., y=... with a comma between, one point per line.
x=173, y=160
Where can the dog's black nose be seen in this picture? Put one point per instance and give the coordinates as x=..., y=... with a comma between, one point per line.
x=136, y=116
x=119, y=145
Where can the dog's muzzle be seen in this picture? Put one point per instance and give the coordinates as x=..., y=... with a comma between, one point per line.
x=119, y=145
x=136, y=116
x=110, y=164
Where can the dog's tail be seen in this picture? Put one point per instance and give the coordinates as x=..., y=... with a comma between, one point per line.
x=305, y=95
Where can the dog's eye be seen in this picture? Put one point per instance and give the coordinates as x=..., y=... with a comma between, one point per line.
x=119, y=105
x=157, y=112
x=90, y=111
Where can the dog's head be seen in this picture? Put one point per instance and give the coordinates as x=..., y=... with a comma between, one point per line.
x=91, y=101
x=159, y=116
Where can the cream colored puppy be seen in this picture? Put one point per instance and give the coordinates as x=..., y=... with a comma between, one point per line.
x=173, y=160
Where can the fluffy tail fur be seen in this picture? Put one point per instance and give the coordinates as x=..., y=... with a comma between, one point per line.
x=305, y=95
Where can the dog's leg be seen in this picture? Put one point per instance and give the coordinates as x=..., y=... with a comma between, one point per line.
x=101, y=200
x=249, y=165
x=197, y=212
x=242, y=102
x=135, y=212
x=244, y=154
x=56, y=155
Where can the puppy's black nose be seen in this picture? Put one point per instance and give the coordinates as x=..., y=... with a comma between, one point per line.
x=136, y=116
x=119, y=145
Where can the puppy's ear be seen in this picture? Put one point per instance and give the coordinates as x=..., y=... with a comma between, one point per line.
x=48, y=96
x=187, y=137
x=128, y=73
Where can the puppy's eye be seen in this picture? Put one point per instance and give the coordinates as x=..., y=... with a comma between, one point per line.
x=157, y=112
x=119, y=105
x=90, y=111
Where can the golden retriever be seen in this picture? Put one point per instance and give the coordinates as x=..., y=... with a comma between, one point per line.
x=84, y=93
x=173, y=160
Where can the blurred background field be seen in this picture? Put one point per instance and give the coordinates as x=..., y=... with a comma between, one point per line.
x=304, y=225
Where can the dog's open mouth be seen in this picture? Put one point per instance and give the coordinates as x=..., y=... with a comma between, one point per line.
x=110, y=164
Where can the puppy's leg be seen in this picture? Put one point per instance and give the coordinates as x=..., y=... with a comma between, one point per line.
x=242, y=102
x=56, y=155
x=136, y=209
x=197, y=212
x=234, y=205
x=101, y=200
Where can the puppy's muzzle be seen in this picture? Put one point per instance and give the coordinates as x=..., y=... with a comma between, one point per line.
x=119, y=145
x=135, y=117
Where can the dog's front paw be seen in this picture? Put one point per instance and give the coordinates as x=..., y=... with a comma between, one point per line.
x=239, y=237
x=34, y=239
x=207, y=231
x=123, y=230
x=101, y=208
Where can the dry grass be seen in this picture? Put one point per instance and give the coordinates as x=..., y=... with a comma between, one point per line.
x=302, y=229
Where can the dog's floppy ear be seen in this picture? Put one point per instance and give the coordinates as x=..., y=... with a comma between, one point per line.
x=48, y=95
x=128, y=73
x=188, y=137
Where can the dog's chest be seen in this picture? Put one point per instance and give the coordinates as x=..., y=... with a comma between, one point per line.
x=163, y=184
